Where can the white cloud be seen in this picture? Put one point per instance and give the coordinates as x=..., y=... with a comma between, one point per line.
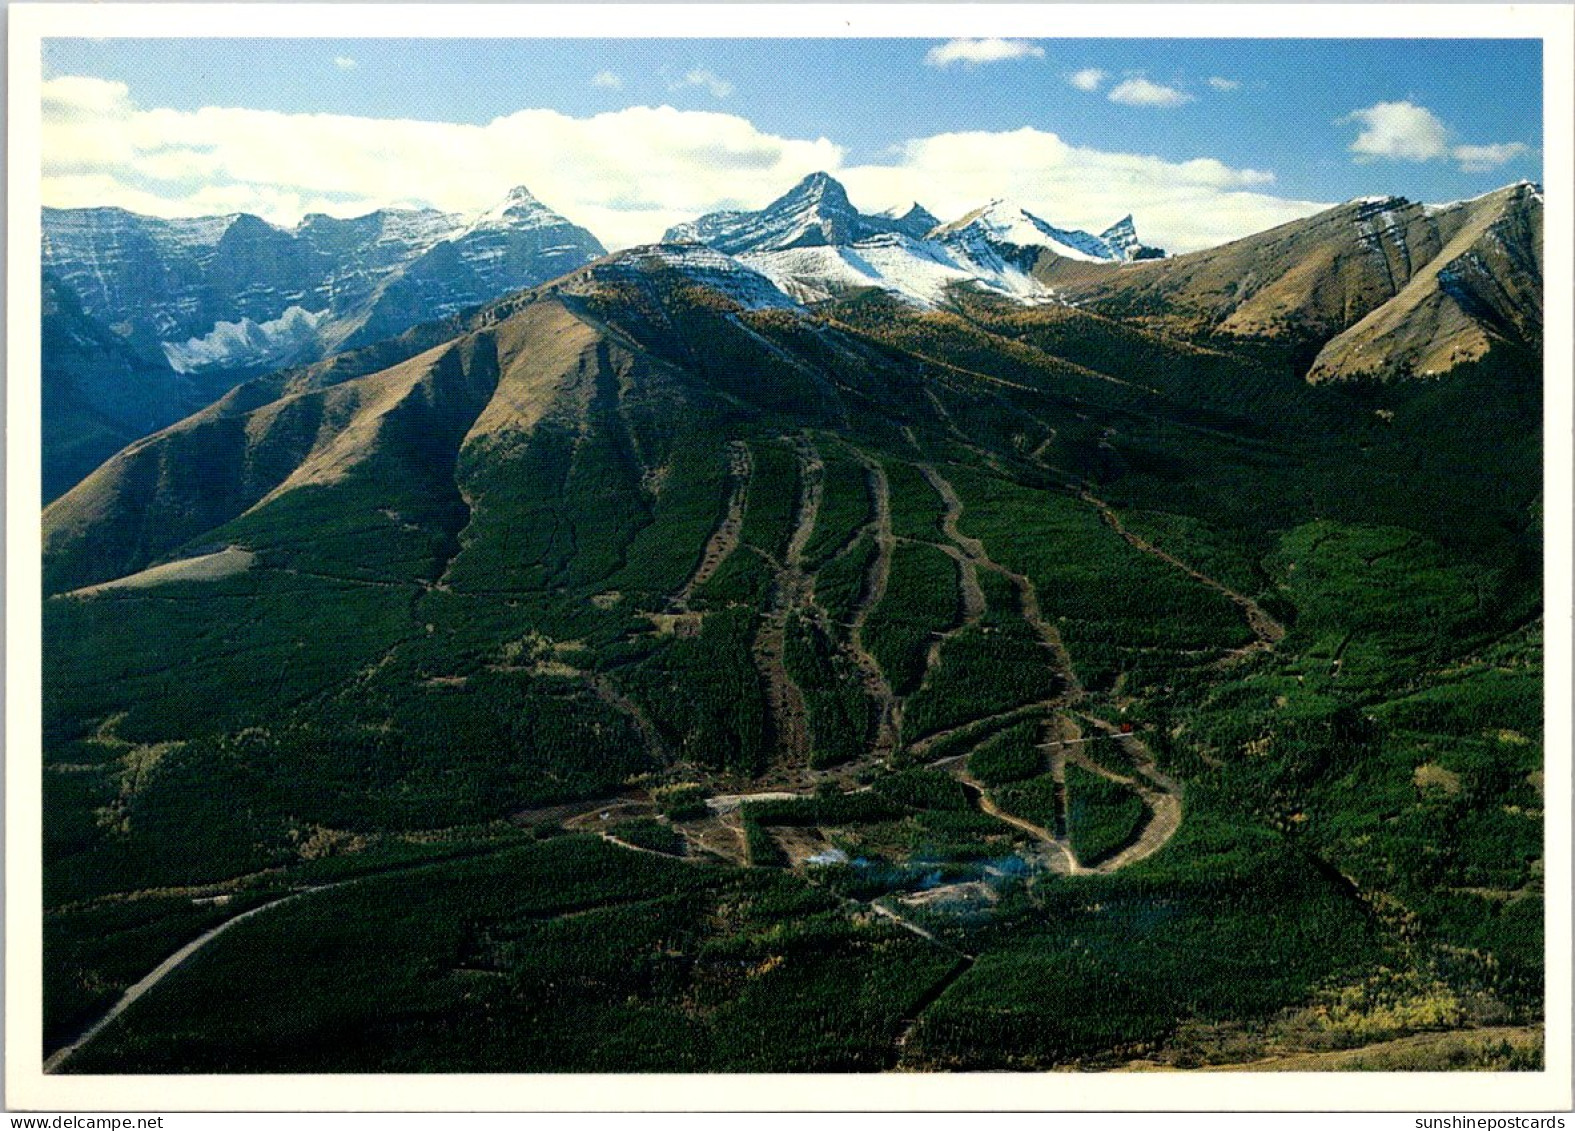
x=1141, y=92
x=1404, y=131
x=79, y=94
x=708, y=80
x=1481, y=158
x=1089, y=78
x=972, y=52
x=92, y=190
x=607, y=79
x=345, y=63
x=1400, y=131
x=626, y=175
x=1224, y=85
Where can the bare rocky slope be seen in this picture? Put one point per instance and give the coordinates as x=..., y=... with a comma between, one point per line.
x=1379, y=287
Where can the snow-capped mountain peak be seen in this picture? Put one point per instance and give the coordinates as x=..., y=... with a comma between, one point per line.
x=1122, y=239
x=818, y=188
x=697, y=264
x=1121, y=235
x=916, y=220
x=1003, y=224
x=816, y=212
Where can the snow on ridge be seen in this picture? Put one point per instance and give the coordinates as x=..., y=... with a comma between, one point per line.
x=520, y=209
x=815, y=212
x=245, y=342
x=1532, y=188
x=1002, y=222
x=706, y=266
x=919, y=272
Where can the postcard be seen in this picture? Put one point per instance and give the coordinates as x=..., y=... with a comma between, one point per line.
x=650, y=557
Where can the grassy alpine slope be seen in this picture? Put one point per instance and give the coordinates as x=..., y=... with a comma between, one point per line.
x=621, y=540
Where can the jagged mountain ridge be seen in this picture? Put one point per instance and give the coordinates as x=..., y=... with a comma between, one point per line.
x=1380, y=286
x=161, y=281
x=814, y=243
x=220, y=299
x=1002, y=225
x=816, y=212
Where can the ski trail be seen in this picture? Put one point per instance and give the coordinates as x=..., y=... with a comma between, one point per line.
x=791, y=594
x=608, y=693
x=971, y=605
x=1028, y=596
x=1160, y=792
x=1268, y=631
x=724, y=539
x=878, y=687
x=1068, y=862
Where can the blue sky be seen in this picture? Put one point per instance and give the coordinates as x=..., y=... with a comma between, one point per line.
x=1201, y=139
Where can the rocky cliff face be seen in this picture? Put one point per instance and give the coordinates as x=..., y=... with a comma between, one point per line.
x=815, y=244
x=147, y=319
x=1376, y=287
x=98, y=394
x=1482, y=288
x=236, y=293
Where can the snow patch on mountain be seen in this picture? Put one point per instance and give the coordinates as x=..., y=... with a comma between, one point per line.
x=696, y=263
x=518, y=211
x=918, y=271
x=916, y=220
x=246, y=343
x=1530, y=189
x=816, y=212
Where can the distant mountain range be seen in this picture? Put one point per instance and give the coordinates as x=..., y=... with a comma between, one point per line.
x=185, y=309
x=196, y=305
x=815, y=244
x=236, y=291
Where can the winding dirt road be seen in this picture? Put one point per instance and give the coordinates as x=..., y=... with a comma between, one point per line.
x=1160, y=792
x=163, y=970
